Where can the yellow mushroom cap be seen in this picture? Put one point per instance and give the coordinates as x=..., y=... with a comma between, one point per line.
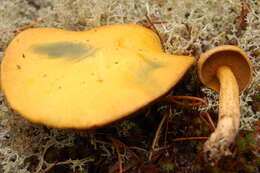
x=227, y=55
x=86, y=79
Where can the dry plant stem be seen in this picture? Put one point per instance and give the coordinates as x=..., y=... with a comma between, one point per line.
x=209, y=120
x=156, y=136
x=190, y=138
x=206, y=121
x=155, y=30
x=28, y=26
x=229, y=116
x=174, y=99
x=117, y=147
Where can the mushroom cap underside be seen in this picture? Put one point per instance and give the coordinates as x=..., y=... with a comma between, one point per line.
x=87, y=79
x=225, y=55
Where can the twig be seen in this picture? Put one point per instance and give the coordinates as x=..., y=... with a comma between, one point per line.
x=166, y=131
x=210, y=120
x=205, y=120
x=29, y=25
x=174, y=99
x=117, y=147
x=218, y=36
x=49, y=167
x=159, y=22
x=138, y=148
x=190, y=138
x=155, y=30
x=243, y=14
x=156, y=136
x=118, y=144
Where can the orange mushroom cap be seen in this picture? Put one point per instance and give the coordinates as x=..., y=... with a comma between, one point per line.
x=227, y=55
x=86, y=79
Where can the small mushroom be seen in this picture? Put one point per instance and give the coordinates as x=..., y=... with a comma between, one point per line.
x=226, y=69
x=87, y=79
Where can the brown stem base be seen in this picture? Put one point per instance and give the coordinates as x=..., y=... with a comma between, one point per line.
x=229, y=117
x=219, y=142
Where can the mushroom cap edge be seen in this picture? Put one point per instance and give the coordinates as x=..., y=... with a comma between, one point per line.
x=227, y=55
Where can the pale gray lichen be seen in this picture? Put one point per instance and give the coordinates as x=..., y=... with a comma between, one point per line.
x=188, y=27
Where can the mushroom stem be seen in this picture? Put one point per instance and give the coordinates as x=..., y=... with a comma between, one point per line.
x=229, y=116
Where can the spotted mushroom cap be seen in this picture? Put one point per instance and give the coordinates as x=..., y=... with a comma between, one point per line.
x=86, y=79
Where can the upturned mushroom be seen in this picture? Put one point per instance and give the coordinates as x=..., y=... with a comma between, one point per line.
x=87, y=79
x=226, y=69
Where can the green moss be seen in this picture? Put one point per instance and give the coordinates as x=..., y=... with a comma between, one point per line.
x=242, y=145
x=250, y=139
x=250, y=168
x=256, y=98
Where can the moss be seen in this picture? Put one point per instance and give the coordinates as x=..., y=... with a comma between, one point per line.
x=167, y=166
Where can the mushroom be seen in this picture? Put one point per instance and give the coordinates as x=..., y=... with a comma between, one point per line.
x=225, y=69
x=87, y=79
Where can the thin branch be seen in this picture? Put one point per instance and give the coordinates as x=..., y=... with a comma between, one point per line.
x=29, y=25
x=155, y=30
x=156, y=136
x=174, y=99
x=190, y=138
x=210, y=120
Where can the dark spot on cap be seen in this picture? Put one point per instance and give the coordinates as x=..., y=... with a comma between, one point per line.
x=18, y=67
x=64, y=49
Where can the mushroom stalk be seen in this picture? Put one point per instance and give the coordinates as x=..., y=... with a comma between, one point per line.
x=229, y=116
